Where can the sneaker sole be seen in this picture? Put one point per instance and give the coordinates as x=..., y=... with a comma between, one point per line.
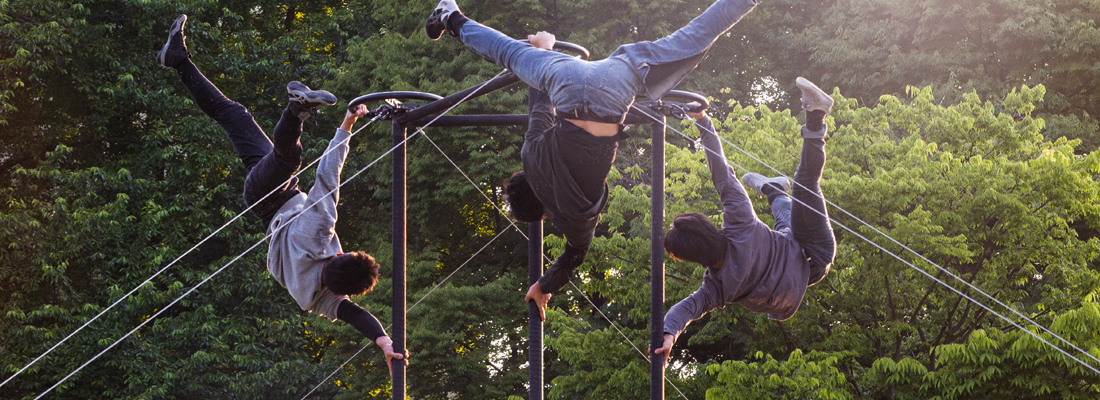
x=313, y=97
x=177, y=26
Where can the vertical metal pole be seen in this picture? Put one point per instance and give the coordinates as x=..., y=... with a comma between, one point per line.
x=399, y=262
x=657, y=261
x=534, y=272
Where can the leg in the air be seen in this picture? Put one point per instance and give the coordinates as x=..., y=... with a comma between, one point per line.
x=248, y=139
x=809, y=217
x=275, y=171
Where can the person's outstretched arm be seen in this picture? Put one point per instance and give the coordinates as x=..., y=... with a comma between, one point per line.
x=706, y=299
x=738, y=213
x=364, y=322
x=321, y=218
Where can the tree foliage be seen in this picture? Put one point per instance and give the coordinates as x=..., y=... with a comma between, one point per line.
x=963, y=130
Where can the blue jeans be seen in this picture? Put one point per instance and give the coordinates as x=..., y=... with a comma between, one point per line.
x=607, y=87
x=270, y=166
x=808, y=218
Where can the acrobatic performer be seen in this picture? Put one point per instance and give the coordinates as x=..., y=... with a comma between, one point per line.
x=303, y=254
x=764, y=270
x=590, y=100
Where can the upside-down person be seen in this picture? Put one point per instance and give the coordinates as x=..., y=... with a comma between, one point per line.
x=304, y=254
x=590, y=100
x=748, y=263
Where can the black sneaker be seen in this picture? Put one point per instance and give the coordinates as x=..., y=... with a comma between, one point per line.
x=308, y=97
x=175, y=50
x=437, y=22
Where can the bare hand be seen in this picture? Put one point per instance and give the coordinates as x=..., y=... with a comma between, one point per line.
x=696, y=115
x=535, y=293
x=543, y=40
x=386, y=345
x=666, y=347
x=351, y=117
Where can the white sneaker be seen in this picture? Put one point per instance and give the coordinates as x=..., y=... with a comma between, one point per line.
x=813, y=98
x=756, y=181
x=437, y=21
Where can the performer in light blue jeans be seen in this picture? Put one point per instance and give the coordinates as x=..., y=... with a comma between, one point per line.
x=584, y=96
x=599, y=91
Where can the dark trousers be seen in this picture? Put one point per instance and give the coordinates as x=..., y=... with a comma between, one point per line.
x=270, y=166
x=808, y=217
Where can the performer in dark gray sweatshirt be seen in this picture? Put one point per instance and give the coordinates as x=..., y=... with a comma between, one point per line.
x=304, y=254
x=747, y=262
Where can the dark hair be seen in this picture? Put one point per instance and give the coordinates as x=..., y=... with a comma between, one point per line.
x=521, y=199
x=351, y=274
x=694, y=238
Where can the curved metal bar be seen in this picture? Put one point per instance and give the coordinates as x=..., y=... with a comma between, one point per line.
x=393, y=95
x=581, y=52
x=690, y=97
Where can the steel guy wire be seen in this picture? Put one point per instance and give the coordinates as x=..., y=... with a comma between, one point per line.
x=151, y=318
x=421, y=131
x=921, y=256
x=124, y=297
x=265, y=237
x=410, y=308
x=547, y=258
x=918, y=269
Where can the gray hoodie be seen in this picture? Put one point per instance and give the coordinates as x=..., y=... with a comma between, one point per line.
x=298, y=251
x=764, y=270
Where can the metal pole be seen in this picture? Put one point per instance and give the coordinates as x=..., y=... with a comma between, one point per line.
x=399, y=248
x=657, y=261
x=534, y=272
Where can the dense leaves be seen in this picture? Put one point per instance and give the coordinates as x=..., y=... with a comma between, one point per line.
x=965, y=131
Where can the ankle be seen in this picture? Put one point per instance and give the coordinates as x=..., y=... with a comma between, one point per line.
x=773, y=192
x=815, y=120
x=455, y=21
x=297, y=110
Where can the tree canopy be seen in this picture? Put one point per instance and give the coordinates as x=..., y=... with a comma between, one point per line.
x=965, y=131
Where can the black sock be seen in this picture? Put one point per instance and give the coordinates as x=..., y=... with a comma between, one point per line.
x=455, y=22
x=773, y=192
x=815, y=120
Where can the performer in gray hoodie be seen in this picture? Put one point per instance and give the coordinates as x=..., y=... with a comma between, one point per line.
x=304, y=254
x=748, y=263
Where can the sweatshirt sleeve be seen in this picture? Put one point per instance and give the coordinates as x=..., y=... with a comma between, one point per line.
x=362, y=320
x=737, y=207
x=707, y=298
x=563, y=268
x=321, y=218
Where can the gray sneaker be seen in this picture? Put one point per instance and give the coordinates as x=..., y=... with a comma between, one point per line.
x=437, y=21
x=756, y=181
x=175, y=50
x=813, y=98
x=308, y=97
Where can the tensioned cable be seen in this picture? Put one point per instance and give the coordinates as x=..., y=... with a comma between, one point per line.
x=410, y=309
x=521, y=232
x=151, y=318
x=124, y=297
x=265, y=237
x=420, y=131
x=930, y=276
x=948, y=272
